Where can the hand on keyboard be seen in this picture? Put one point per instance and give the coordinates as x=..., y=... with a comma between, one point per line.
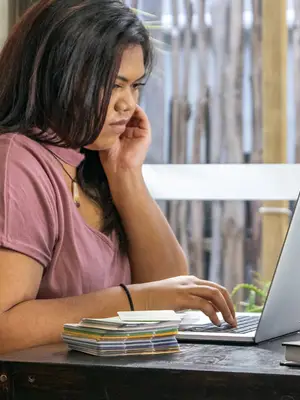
x=187, y=292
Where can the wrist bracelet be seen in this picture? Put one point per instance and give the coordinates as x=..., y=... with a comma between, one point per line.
x=124, y=287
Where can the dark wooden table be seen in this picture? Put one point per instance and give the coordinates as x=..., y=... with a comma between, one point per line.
x=199, y=372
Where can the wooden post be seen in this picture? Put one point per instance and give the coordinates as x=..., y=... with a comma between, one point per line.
x=274, y=60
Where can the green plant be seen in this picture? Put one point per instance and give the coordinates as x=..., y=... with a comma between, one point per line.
x=256, y=297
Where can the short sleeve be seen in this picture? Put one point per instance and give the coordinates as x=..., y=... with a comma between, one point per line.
x=28, y=217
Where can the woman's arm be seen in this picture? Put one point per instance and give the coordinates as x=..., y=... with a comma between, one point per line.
x=26, y=322
x=154, y=251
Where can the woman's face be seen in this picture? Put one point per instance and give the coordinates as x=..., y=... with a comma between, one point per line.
x=124, y=98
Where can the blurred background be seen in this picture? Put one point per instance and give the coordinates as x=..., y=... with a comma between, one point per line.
x=207, y=105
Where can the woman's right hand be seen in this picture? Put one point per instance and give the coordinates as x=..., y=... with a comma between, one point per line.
x=186, y=292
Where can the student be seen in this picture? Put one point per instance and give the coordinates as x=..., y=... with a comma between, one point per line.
x=76, y=219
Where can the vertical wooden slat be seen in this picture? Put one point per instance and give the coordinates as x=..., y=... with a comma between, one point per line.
x=219, y=10
x=186, y=71
x=183, y=121
x=274, y=226
x=254, y=249
x=175, y=107
x=156, y=83
x=4, y=12
x=234, y=211
x=134, y=3
x=18, y=7
x=197, y=211
x=296, y=45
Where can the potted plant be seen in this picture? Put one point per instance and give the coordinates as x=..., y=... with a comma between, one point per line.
x=257, y=294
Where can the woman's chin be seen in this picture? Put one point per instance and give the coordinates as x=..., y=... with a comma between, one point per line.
x=101, y=145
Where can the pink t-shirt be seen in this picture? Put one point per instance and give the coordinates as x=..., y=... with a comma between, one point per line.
x=39, y=219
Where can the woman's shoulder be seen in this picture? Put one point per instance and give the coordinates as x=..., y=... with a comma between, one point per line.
x=17, y=142
x=19, y=149
x=25, y=164
x=28, y=216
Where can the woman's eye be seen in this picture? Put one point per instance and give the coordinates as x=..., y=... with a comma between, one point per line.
x=138, y=85
x=117, y=86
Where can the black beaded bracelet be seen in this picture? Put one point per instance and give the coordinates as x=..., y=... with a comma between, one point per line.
x=128, y=295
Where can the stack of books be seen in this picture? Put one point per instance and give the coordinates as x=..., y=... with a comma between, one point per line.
x=130, y=333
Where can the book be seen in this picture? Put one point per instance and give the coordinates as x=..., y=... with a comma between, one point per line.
x=150, y=316
x=292, y=353
x=129, y=333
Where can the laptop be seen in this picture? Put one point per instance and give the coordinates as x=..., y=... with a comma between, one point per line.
x=281, y=312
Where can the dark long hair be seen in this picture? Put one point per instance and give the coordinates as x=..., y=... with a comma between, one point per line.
x=58, y=59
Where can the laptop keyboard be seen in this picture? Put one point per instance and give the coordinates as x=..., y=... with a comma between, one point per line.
x=245, y=324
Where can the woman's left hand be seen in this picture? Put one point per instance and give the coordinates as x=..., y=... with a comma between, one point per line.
x=130, y=150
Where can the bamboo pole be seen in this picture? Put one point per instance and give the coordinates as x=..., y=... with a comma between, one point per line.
x=296, y=45
x=274, y=226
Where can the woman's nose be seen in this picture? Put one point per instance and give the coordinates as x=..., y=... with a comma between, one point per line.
x=128, y=102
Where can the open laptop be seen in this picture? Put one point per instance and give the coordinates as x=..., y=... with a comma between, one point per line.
x=281, y=313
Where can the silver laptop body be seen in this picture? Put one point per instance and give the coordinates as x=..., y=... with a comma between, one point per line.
x=281, y=312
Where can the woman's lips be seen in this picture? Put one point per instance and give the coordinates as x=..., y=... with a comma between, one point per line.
x=119, y=126
x=120, y=122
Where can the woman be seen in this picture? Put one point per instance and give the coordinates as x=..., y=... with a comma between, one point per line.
x=76, y=219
